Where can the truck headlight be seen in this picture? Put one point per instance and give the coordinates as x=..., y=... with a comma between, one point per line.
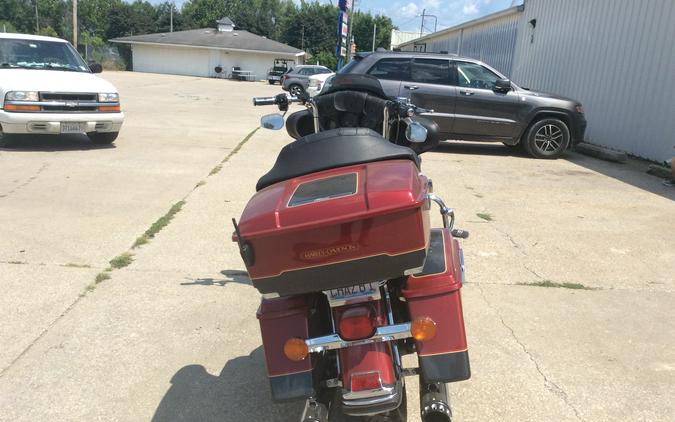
x=22, y=96
x=108, y=97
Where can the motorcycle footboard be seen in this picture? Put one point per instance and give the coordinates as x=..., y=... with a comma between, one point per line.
x=435, y=293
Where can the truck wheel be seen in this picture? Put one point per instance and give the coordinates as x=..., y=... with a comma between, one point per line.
x=5, y=141
x=270, y=82
x=295, y=90
x=547, y=138
x=103, y=138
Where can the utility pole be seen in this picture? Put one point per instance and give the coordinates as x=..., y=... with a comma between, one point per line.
x=302, y=39
x=422, y=24
x=374, y=35
x=75, y=24
x=37, y=20
x=171, y=19
x=349, y=33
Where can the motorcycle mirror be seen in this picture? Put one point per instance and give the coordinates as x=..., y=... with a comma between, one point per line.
x=416, y=133
x=272, y=121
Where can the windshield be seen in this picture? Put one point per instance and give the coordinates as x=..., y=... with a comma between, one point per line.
x=38, y=54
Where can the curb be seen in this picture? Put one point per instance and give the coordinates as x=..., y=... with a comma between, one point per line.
x=602, y=153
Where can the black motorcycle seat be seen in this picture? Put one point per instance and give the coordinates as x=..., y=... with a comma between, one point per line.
x=331, y=149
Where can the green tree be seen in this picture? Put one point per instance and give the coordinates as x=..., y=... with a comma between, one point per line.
x=324, y=58
x=20, y=13
x=6, y=26
x=363, y=31
x=47, y=31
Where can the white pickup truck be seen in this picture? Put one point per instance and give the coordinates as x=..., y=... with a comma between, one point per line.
x=46, y=88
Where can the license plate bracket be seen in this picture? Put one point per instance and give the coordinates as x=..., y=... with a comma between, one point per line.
x=73, y=127
x=362, y=292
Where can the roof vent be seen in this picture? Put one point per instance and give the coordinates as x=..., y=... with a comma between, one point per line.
x=225, y=25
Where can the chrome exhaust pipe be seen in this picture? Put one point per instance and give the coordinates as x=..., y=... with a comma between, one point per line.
x=434, y=405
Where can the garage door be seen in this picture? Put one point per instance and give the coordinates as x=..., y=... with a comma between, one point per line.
x=171, y=60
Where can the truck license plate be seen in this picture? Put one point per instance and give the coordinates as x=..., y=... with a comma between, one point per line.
x=365, y=291
x=72, y=127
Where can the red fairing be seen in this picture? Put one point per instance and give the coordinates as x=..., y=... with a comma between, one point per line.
x=281, y=319
x=368, y=357
x=437, y=296
x=386, y=216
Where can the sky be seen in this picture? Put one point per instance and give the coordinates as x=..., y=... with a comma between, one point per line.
x=405, y=13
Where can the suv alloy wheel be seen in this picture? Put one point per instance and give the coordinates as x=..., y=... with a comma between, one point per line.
x=547, y=138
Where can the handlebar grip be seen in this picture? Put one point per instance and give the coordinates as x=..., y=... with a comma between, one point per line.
x=263, y=101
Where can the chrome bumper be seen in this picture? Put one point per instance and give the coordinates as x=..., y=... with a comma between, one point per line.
x=382, y=334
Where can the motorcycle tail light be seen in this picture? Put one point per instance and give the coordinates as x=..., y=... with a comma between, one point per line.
x=366, y=381
x=423, y=329
x=356, y=323
x=295, y=349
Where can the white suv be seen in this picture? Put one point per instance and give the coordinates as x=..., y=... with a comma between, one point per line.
x=46, y=88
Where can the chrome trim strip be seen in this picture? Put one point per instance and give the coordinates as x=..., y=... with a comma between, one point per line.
x=367, y=397
x=388, y=394
x=382, y=334
x=73, y=103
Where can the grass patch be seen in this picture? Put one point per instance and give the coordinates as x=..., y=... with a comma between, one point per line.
x=239, y=145
x=216, y=169
x=235, y=150
x=201, y=183
x=17, y=262
x=549, y=283
x=158, y=225
x=485, y=216
x=73, y=265
x=100, y=278
x=122, y=260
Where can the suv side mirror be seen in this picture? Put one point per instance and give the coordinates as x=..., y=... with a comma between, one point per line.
x=502, y=85
x=95, y=68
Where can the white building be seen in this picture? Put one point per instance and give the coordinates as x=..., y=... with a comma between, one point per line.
x=199, y=52
x=615, y=56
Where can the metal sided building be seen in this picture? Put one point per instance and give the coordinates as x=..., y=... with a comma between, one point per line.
x=491, y=39
x=617, y=57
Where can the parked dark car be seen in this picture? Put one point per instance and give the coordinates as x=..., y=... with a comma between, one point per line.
x=296, y=80
x=473, y=101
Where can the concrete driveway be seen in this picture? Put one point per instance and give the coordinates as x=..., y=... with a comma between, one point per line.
x=173, y=336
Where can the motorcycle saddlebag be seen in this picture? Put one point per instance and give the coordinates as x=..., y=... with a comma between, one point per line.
x=280, y=319
x=337, y=227
x=435, y=293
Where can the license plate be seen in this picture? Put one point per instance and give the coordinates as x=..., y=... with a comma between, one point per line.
x=355, y=293
x=275, y=78
x=72, y=127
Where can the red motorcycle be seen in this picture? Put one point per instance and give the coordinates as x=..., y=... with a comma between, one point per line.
x=338, y=241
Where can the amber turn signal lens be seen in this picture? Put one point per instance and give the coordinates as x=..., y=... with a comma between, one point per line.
x=17, y=107
x=110, y=109
x=423, y=329
x=295, y=349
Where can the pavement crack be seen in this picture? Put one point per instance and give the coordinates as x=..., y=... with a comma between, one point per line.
x=27, y=182
x=42, y=334
x=548, y=383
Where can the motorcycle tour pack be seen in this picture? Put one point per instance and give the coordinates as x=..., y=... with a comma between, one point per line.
x=341, y=224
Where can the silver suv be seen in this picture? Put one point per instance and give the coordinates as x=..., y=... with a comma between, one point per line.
x=296, y=80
